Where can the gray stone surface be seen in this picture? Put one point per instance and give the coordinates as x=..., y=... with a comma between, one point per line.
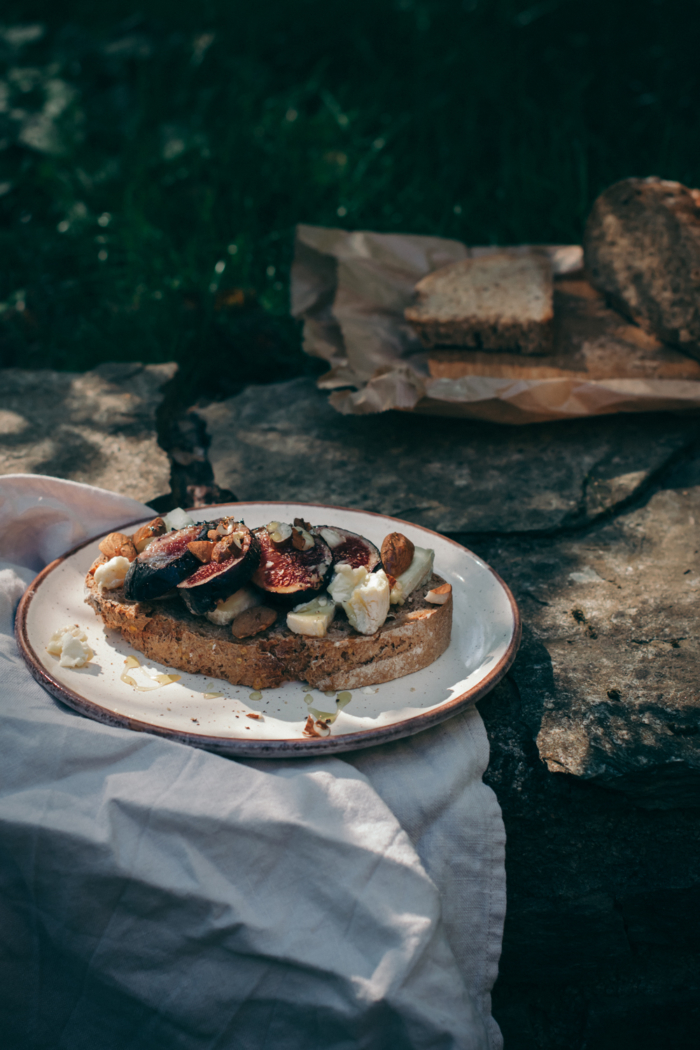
x=603, y=915
x=98, y=427
x=284, y=441
x=594, y=525
x=608, y=671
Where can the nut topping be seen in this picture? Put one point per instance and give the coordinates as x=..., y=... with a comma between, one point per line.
x=202, y=550
x=279, y=531
x=317, y=728
x=302, y=540
x=397, y=553
x=143, y=536
x=117, y=545
x=253, y=621
x=226, y=548
x=439, y=595
x=299, y=523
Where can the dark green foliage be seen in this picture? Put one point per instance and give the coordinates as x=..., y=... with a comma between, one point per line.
x=190, y=128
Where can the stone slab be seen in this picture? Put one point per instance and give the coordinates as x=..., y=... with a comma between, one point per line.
x=284, y=441
x=608, y=672
x=98, y=427
x=603, y=896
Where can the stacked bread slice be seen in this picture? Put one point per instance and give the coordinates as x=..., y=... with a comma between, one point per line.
x=502, y=301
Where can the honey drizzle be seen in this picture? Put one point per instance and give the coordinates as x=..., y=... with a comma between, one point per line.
x=160, y=679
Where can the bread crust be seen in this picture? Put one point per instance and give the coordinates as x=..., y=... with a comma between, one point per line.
x=166, y=632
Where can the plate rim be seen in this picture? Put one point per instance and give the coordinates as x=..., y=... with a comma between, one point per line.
x=286, y=747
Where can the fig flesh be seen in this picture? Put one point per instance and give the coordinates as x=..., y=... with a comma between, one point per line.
x=349, y=547
x=163, y=564
x=289, y=574
x=230, y=567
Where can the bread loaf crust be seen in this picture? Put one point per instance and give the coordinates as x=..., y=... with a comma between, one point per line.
x=642, y=250
x=166, y=632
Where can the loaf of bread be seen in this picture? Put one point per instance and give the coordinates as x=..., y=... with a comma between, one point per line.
x=413, y=636
x=642, y=250
x=502, y=301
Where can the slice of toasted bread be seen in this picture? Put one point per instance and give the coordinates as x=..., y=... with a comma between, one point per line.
x=494, y=302
x=415, y=635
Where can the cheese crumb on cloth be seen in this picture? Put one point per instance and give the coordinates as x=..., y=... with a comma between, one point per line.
x=155, y=896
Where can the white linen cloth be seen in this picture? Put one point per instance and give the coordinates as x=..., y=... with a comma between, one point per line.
x=158, y=897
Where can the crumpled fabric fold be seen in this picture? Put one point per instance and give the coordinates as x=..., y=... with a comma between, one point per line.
x=158, y=897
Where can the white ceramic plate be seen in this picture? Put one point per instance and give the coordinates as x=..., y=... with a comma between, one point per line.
x=485, y=638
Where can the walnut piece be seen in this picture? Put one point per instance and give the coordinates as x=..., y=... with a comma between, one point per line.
x=117, y=545
x=253, y=621
x=226, y=548
x=317, y=728
x=397, y=553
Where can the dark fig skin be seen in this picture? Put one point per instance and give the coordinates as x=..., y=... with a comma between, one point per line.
x=219, y=580
x=163, y=564
x=289, y=576
x=355, y=550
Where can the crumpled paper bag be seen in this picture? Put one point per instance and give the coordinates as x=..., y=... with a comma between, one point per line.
x=351, y=289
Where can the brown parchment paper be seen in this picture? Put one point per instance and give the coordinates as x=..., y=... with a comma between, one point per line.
x=351, y=289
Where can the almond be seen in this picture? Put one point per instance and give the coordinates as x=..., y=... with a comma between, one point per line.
x=202, y=550
x=397, y=553
x=302, y=540
x=143, y=536
x=439, y=595
x=253, y=621
x=117, y=545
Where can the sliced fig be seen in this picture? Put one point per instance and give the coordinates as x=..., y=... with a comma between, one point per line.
x=287, y=573
x=163, y=564
x=349, y=547
x=234, y=559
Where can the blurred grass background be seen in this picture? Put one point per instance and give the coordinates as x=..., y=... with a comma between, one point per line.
x=153, y=165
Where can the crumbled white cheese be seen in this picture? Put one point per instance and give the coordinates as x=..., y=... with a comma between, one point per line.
x=365, y=596
x=112, y=574
x=227, y=611
x=312, y=618
x=177, y=519
x=70, y=643
x=417, y=573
